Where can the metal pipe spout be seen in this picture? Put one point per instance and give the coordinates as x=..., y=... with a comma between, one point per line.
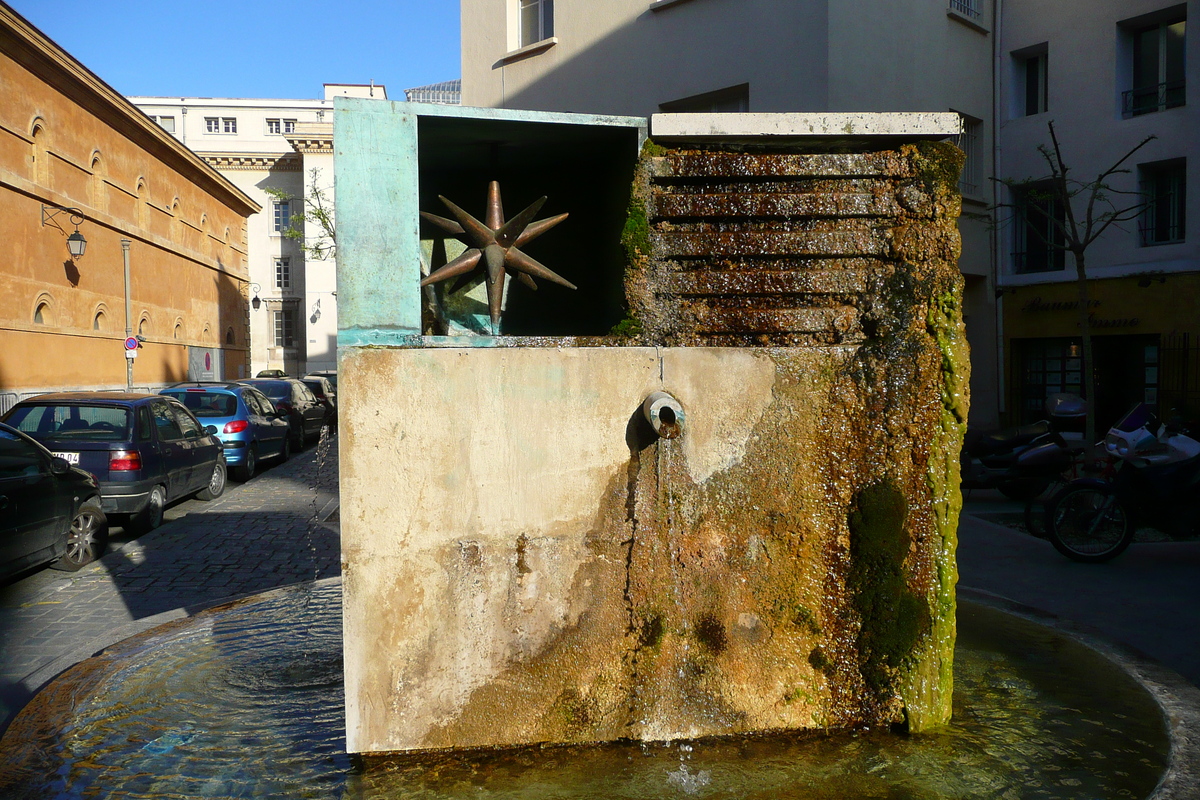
x=665, y=414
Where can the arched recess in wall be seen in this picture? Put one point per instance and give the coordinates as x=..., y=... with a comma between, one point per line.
x=144, y=328
x=43, y=309
x=100, y=318
x=39, y=152
x=205, y=336
x=178, y=331
x=98, y=196
x=230, y=337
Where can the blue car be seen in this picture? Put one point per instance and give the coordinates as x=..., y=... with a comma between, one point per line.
x=247, y=423
x=146, y=450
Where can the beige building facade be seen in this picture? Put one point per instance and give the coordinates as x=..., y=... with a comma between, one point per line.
x=638, y=57
x=286, y=146
x=69, y=141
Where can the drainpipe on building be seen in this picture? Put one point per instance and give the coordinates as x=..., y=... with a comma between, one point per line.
x=997, y=67
x=183, y=121
x=128, y=316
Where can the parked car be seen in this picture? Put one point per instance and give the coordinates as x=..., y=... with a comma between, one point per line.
x=49, y=510
x=323, y=390
x=305, y=412
x=146, y=450
x=328, y=374
x=271, y=373
x=248, y=424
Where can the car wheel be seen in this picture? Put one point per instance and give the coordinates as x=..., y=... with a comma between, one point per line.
x=286, y=451
x=216, y=483
x=86, y=539
x=151, y=516
x=297, y=437
x=245, y=471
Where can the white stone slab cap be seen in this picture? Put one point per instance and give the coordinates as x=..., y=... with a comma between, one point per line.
x=904, y=125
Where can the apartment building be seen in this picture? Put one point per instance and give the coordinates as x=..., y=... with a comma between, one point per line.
x=162, y=235
x=638, y=57
x=287, y=146
x=1108, y=74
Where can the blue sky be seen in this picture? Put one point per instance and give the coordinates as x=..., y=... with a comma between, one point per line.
x=251, y=48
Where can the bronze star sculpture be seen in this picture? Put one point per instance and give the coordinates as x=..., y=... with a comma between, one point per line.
x=492, y=248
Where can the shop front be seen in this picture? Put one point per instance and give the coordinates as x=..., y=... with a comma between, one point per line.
x=1146, y=342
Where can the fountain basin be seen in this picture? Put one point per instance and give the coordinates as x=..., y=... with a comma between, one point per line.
x=245, y=700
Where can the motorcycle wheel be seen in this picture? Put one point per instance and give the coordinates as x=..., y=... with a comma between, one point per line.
x=1024, y=488
x=1088, y=524
x=1036, y=508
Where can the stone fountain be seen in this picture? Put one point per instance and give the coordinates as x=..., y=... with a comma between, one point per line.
x=526, y=560
x=700, y=482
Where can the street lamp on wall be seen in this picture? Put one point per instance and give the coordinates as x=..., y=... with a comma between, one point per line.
x=256, y=303
x=76, y=244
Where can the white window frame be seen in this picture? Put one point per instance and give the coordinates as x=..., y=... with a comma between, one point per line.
x=1150, y=177
x=282, y=215
x=543, y=13
x=283, y=325
x=274, y=126
x=970, y=141
x=289, y=126
x=223, y=126
x=283, y=272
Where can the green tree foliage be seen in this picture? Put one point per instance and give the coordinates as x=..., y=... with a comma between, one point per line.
x=312, y=225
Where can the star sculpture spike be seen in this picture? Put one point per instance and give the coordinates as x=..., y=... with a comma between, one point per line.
x=492, y=248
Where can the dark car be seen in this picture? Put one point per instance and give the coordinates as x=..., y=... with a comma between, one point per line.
x=271, y=373
x=328, y=374
x=248, y=425
x=324, y=391
x=49, y=510
x=146, y=450
x=304, y=410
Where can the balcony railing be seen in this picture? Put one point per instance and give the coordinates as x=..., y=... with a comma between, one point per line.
x=1149, y=99
x=968, y=8
x=1169, y=233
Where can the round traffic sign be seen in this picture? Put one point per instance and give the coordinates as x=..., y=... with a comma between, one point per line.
x=131, y=343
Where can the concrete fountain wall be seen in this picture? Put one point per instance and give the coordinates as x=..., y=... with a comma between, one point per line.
x=524, y=559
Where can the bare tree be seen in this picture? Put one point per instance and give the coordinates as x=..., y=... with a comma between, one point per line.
x=1088, y=208
x=317, y=210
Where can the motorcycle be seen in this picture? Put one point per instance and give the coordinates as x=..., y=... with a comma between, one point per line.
x=1021, y=462
x=1156, y=483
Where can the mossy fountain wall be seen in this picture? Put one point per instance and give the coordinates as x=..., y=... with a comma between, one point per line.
x=524, y=559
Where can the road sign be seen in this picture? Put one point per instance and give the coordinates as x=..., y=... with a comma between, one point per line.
x=131, y=343
x=131, y=354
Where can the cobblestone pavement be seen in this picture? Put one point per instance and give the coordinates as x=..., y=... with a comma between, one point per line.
x=272, y=531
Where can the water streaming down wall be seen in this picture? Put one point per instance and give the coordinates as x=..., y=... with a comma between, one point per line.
x=549, y=570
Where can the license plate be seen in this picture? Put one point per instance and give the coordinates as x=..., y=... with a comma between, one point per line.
x=70, y=458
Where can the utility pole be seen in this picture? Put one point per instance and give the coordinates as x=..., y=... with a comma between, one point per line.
x=128, y=318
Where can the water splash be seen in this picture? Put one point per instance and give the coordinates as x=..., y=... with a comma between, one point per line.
x=689, y=782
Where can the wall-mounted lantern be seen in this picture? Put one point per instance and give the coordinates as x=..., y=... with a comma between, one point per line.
x=256, y=303
x=76, y=244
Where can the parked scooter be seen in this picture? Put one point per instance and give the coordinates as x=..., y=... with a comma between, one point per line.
x=1021, y=462
x=1156, y=483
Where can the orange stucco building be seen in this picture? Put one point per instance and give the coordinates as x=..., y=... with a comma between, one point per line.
x=68, y=140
